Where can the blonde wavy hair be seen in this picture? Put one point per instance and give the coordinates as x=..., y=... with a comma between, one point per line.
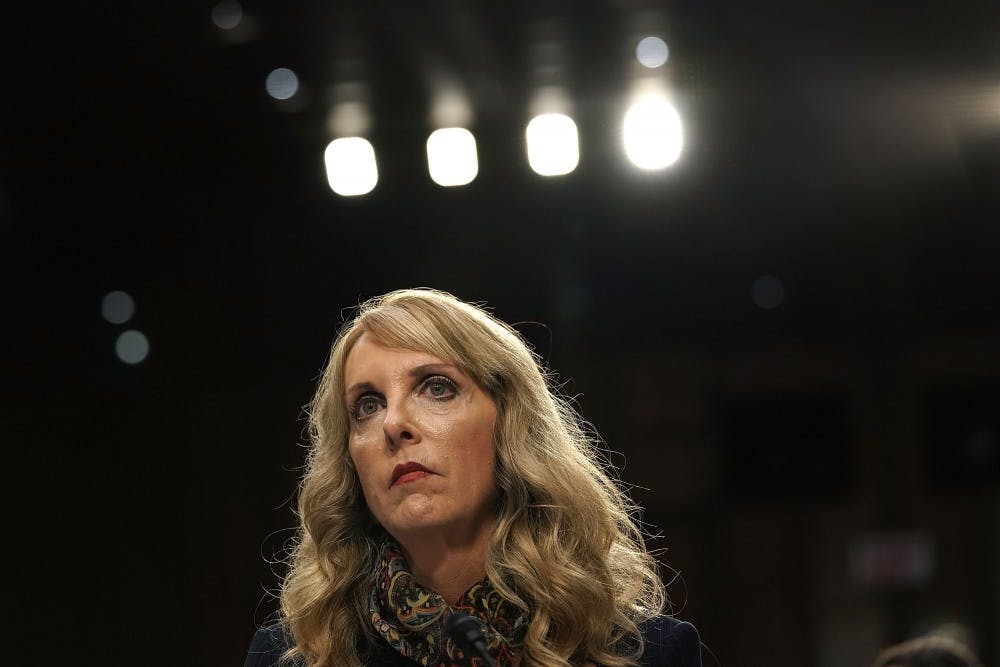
x=566, y=547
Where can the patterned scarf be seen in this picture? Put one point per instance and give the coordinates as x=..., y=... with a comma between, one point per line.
x=411, y=617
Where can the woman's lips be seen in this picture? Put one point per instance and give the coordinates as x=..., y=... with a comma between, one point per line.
x=411, y=477
x=408, y=472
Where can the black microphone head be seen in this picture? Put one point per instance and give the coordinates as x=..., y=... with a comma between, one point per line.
x=466, y=632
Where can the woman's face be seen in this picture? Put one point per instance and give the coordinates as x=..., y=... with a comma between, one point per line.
x=421, y=440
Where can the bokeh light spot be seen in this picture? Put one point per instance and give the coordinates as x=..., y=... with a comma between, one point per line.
x=117, y=307
x=652, y=52
x=653, y=134
x=132, y=347
x=451, y=156
x=227, y=14
x=350, y=166
x=767, y=292
x=553, y=144
x=282, y=83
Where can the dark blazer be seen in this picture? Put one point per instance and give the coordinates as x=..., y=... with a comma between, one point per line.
x=669, y=643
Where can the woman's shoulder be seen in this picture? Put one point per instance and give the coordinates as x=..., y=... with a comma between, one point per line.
x=270, y=642
x=670, y=643
x=266, y=647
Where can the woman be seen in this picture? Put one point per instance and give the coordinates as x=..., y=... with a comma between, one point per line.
x=444, y=476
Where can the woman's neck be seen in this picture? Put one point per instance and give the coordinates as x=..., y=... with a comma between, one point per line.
x=449, y=567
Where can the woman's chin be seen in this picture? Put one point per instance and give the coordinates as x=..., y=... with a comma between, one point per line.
x=417, y=512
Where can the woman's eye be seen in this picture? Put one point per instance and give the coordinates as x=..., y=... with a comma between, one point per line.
x=365, y=407
x=439, y=387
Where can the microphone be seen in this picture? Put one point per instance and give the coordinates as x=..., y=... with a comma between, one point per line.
x=466, y=632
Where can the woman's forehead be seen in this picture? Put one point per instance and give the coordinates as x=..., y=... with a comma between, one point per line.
x=370, y=355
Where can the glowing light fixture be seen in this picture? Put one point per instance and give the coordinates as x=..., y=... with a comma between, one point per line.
x=451, y=156
x=653, y=134
x=553, y=144
x=350, y=166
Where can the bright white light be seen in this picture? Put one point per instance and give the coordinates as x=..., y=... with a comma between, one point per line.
x=117, y=307
x=451, y=156
x=350, y=166
x=132, y=346
x=553, y=146
x=653, y=134
x=652, y=52
x=227, y=14
x=282, y=83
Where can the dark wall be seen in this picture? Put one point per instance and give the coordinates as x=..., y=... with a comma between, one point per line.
x=849, y=151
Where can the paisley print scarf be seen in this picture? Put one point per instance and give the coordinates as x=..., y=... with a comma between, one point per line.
x=411, y=617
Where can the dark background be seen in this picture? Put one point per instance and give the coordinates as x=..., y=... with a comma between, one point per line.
x=849, y=149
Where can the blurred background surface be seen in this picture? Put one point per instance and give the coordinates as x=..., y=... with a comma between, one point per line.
x=788, y=335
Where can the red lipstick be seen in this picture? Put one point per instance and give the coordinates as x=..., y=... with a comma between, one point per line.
x=408, y=472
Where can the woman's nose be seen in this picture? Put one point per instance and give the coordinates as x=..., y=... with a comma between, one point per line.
x=399, y=426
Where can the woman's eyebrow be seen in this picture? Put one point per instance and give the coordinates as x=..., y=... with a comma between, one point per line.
x=424, y=369
x=359, y=387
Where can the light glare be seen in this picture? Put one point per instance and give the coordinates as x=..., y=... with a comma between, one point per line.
x=451, y=156
x=653, y=133
x=350, y=166
x=553, y=144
